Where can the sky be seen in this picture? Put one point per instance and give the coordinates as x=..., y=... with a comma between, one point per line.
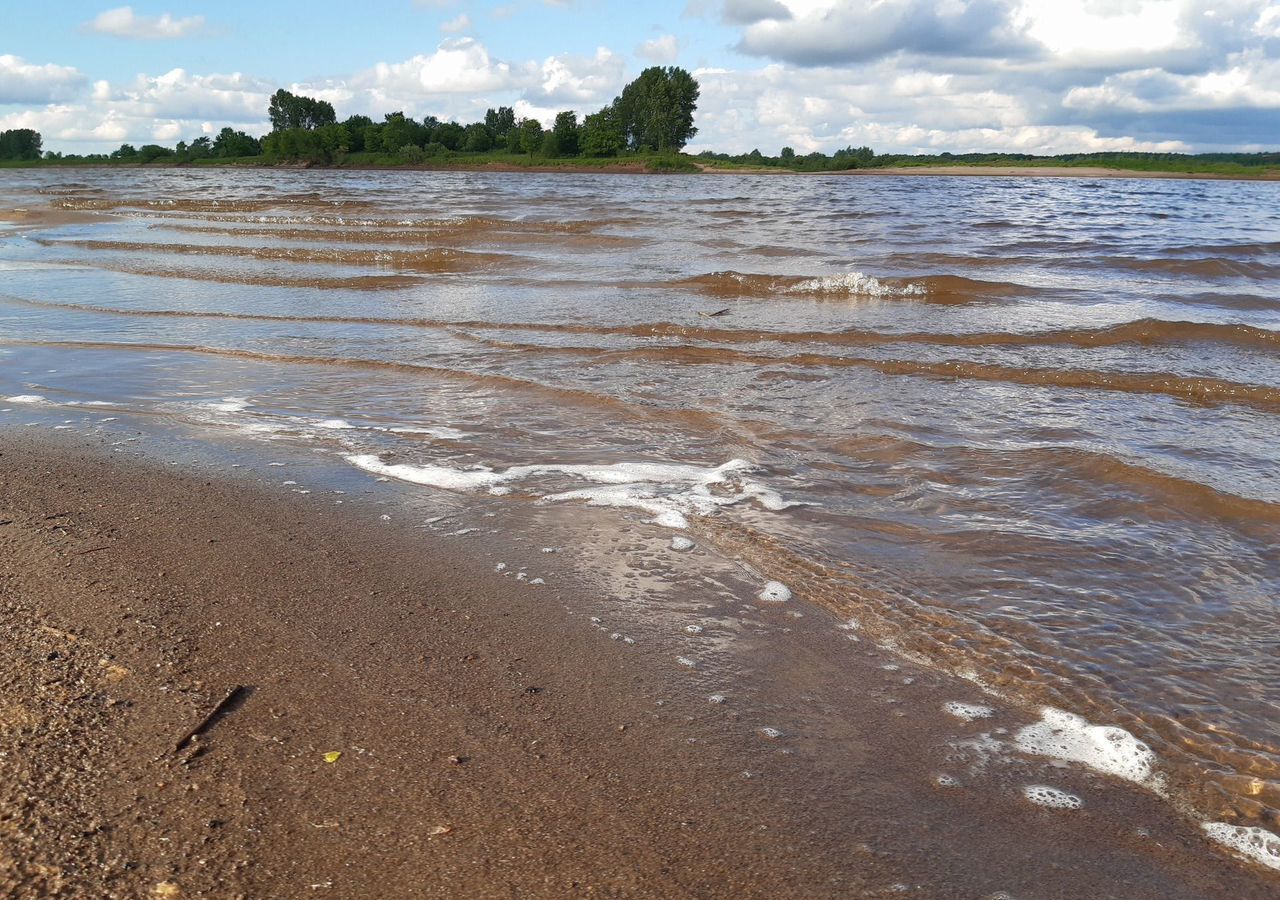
x=900, y=76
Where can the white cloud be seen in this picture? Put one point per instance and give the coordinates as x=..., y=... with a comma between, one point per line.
x=662, y=50
x=748, y=12
x=580, y=82
x=162, y=108
x=457, y=25
x=458, y=66
x=124, y=22
x=24, y=82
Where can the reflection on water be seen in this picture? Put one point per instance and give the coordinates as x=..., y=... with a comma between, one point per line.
x=1023, y=428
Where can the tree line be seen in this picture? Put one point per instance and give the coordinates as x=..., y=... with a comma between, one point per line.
x=654, y=113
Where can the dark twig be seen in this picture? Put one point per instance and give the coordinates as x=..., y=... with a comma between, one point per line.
x=90, y=550
x=204, y=723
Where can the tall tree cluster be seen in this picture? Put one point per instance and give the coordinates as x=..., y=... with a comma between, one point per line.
x=653, y=113
x=20, y=143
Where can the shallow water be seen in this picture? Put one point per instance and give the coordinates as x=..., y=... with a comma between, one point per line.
x=1025, y=429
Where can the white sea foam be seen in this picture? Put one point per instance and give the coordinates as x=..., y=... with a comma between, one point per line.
x=668, y=492
x=968, y=711
x=439, y=431
x=229, y=404
x=680, y=543
x=1258, y=844
x=854, y=284
x=1052, y=797
x=775, y=592
x=1103, y=748
x=30, y=399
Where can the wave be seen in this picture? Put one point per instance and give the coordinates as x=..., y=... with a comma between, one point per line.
x=1203, y=267
x=928, y=289
x=390, y=235
x=1149, y=332
x=1193, y=389
x=430, y=261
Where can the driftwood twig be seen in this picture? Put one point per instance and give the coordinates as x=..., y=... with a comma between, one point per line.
x=204, y=723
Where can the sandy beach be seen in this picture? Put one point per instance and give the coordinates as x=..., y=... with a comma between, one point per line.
x=411, y=724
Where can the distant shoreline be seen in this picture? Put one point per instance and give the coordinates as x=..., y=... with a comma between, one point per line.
x=643, y=167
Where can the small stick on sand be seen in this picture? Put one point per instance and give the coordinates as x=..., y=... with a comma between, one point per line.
x=712, y=315
x=207, y=720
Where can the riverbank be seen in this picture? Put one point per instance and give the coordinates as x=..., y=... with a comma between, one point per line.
x=692, y=166
x=405, y=721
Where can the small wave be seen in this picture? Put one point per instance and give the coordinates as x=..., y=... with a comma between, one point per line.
x=437, y=260
x=670, y=492
x=930, y=289
x=1204, y=267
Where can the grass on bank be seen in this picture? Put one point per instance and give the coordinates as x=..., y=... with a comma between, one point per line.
x=1254, y=165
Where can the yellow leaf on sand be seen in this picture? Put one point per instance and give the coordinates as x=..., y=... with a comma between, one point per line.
x=333, y=756
x=166, y=889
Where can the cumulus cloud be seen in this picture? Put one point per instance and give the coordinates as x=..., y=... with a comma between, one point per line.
x=163, y=108
x=456, y=25
x=24, y=82
x=833, y=32
x=578, y=82
x=748, y=12
x=662, y=50
x=124, y=22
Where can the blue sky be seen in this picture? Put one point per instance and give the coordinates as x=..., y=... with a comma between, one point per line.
x=900, y=75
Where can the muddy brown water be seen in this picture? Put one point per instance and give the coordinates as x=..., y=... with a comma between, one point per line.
x=1023, y=429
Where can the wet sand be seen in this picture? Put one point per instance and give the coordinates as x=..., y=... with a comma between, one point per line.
x=492, y=744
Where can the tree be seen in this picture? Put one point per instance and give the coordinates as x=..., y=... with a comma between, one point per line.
x=500, y=121
x=787, y=154
x=231, y=144
x=201, y=148
x=478, y=139
x=355, y=126
x=602, y=133
x=398, y=131
x=530, y=135
x=20, y=143
x=125, y=151
x=565, y=132
x=451, y=134
x=288, y=110
x=657, y=109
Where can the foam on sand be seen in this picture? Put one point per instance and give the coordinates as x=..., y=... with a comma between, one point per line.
x=1103, y=748
x=775, y=592
x=968, y=711
x=1257, y=844
x=229, y=404
x=1051, y=797
x=668, y=492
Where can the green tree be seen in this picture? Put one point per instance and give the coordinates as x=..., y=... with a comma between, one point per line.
x=231, y=144
x=565, y=131
x=451, y=134
x=20, y=143
x=125, y=151
x=478, y=138
x=356, y=126
x=530, y=135
x=657, y=109
x=787, y=154
x=288, y=110
x=500, y=121
x=398, y=131
x=602, y=133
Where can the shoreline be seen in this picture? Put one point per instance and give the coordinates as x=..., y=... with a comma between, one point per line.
x=697, y=168
x=491, y=740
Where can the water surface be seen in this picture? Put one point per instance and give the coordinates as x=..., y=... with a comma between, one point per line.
x=1023, y=428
